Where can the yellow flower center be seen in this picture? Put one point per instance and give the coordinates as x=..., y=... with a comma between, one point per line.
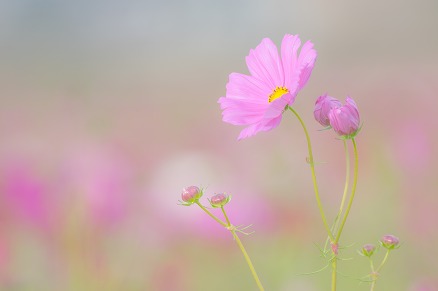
x=278, y=92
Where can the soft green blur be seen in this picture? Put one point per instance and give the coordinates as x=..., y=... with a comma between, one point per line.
x=109, y=108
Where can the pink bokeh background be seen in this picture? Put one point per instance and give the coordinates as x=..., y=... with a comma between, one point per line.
x=108, y=109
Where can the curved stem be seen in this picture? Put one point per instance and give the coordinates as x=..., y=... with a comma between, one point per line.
x=353, y=191
x=375, y=274
x=312, y=167
x=245, y=254
x=384, y=261
x=211, y=215
x=347, y=180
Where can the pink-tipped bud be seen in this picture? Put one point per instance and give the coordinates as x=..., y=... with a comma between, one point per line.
x=323, y=105
x=368, y=250
x=389, y=241
x=191, y=194
x=345, y=120
x=219, y=200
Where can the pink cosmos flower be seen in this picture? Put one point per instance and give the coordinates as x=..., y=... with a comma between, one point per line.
x=323, y=105
x=258, y=100
x=345, y=120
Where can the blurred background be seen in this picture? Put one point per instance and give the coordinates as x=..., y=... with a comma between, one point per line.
x=109, y=108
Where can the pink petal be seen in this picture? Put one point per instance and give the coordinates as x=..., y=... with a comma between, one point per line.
x=241, y=112
x=264, y=63
x=248, y=131
x=264, y=125
x=289, y=49
x=248, y=88
x=276, y=108
x=306, y=62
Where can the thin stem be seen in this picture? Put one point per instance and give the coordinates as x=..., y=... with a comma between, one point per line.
x=226, y=216
x=245, y=254
x=334, y=273
x=347, y=180
x=373, y=275
x=384, y=261
x=211, y=215
x=353, y=191
x=312, y=167
x=371, y=265
x=248, y=260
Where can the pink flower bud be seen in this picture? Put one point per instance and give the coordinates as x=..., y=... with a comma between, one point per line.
x=323, y=105
x=191, y=194
x=219, y=200
x=368, y=250
x=345, y=120
x=389, y=241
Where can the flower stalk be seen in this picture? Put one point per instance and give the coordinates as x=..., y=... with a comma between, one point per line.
x=347, y=181
x=312, y=167
x=233, y=230
x=353, y=191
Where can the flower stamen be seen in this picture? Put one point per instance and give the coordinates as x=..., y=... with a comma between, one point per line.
x=278, y=92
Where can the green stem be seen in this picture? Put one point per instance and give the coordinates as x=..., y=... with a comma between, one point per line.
x=334, y=273
x=245, y=254
x=373, y=275
x=347, y=180
x=248, y=260
x=353, y=191
x=226, y=216
x=312, y=167
x=384, y=261
x=211, y=215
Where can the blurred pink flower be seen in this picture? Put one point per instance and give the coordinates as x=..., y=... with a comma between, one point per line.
x=425, y=285
x=101, y=177
x=26, y=195
x=323, y=105
x=345, y=120
x=259, y=100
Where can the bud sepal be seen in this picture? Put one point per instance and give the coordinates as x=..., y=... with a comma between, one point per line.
x=367, y=250
x=390, y=242
x=219, y=200
x=190, y=195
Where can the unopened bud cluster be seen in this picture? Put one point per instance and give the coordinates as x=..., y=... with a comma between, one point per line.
x=192, y=194
x=388, y=241
x=344, y=119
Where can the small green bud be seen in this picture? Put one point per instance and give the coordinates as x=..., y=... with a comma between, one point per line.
x=219, y=200
x=389, y=241
x=368, y=250
x=191, y=195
